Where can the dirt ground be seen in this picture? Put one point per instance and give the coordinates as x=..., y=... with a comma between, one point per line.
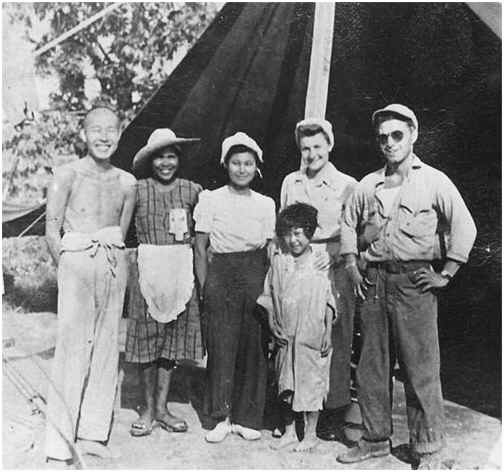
x=473, y=438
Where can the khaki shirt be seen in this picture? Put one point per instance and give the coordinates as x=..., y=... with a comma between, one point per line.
x=327, y=192
x=427, y=205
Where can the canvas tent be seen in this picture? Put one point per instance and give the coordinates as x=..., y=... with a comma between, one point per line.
x=249, y=71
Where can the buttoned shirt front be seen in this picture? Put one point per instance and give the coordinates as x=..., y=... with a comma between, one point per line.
x=327, y=192
x=428, y=204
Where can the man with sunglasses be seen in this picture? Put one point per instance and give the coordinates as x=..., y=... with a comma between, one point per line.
x=392, y=221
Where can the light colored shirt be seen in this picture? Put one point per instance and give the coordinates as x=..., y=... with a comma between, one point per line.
x=327, y=192
x=428, y=205
x=388, y=197
x=235, y=222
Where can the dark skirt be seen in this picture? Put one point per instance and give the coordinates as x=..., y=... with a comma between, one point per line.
x=147, y=340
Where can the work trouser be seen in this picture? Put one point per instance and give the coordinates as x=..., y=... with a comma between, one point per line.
x=81, y=393
x=399, y=321
x=236, y=338
x=342, y=337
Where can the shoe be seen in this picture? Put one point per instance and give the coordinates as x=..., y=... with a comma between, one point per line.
x=329, y=435
x=432, y=461
x=172, y=424
x=219, y=432
x=365, y=450
x=277, y=433
x=246, y=433
x=141, y=428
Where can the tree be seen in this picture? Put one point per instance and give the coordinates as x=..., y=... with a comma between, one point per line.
x=129, y=53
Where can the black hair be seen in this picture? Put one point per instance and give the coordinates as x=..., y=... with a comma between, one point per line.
x=392, y=115
x=311, y=130
x=101, y=107
x=237, y=149
x=297, y=215
x=175, y=147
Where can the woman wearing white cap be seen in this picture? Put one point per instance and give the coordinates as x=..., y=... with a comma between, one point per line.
x=164, y=323
x=237, y=223
x=319, y=183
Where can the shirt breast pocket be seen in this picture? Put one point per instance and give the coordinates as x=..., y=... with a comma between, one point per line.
x=417, y=234
x=422, y=224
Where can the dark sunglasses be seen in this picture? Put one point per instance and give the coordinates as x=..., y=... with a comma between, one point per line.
x=397, y=136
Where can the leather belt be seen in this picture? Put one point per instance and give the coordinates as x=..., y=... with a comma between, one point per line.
x=400, y=267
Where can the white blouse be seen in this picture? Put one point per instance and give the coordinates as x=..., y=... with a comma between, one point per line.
x=235, y=222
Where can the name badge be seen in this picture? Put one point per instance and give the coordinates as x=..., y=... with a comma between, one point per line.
x=178, y=223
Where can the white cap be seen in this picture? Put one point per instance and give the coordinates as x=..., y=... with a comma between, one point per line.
x=397, y=109
x=324, y=125
x=243, y=139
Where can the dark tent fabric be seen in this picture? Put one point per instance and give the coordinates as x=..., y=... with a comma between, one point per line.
x=16, y=219
x=249, y=72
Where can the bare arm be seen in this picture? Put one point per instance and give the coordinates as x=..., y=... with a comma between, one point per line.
x=200, y=259
x=129, y=184
x=57, y=199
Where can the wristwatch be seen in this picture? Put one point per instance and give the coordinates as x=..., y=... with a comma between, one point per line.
x=445, y=274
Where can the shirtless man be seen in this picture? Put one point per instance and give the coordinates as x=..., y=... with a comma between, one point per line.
x=92, y=202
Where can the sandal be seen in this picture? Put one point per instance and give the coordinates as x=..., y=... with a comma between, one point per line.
x=140, y=428
x=172, y=424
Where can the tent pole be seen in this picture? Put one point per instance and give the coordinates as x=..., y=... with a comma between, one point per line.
x=31, y=225
x=320, y=60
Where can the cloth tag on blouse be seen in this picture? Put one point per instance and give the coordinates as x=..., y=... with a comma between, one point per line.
x=178, y=223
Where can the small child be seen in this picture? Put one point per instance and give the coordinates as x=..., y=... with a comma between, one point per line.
x=301, y=309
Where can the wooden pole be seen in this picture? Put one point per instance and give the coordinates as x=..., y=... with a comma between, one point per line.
x=320, y=61
x=75, y=29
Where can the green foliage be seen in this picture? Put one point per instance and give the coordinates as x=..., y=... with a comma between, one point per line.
x=32, y=150
x=129, y=51
x=29, y=274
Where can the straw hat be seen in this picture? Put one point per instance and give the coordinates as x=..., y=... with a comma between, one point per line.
x=159, y=139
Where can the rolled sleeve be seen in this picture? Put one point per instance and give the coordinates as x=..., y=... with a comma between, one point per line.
x=285, y=191
x=203, y=213
x=349, y=223
x=461, y=230
x=269, y=220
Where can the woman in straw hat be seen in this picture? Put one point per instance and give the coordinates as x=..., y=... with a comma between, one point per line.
x=237, y=223
x=164, y=324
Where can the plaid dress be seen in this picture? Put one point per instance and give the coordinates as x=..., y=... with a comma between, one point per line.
x=148, y=340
